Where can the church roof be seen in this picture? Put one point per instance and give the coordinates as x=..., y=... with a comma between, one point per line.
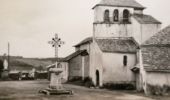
x=120, y=45
x=156, y=51
x=86, y=40
x=146, y=19
x=74, y=54
x=120, y=3
x=160, y=38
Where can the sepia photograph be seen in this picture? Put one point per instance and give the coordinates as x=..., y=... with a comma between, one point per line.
x=84, y=50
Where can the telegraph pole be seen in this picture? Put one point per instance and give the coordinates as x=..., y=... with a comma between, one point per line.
x=8, y=56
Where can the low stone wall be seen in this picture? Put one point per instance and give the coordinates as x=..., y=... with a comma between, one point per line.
x=158, y=90
x=158, y=83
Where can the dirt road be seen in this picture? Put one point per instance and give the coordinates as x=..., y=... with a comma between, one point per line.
x=28, y=90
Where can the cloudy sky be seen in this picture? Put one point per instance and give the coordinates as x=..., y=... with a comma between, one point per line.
x=29, y=24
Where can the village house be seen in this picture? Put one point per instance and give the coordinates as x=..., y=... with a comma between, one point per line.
x=154, y=63
x=125, y=48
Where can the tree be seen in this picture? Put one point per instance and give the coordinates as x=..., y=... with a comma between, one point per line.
x=1, y=65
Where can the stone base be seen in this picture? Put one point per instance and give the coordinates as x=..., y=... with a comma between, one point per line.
x=50, y=91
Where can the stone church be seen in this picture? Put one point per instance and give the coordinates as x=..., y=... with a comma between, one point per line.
x=116, y=53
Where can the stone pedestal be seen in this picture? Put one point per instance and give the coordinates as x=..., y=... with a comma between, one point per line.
x=55, y=86
x=55, y=81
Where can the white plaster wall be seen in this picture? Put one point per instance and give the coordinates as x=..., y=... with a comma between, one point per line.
x=99, y=12
x=96, y=63
x=136, y=30
x=142, y=32
x=113, y=30
x=148, y=30
x=158, y=78
x=113, y=69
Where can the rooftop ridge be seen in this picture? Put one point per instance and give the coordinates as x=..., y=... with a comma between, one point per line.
x=120, y=3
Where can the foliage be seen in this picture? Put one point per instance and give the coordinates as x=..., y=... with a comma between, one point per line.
x=88, y=82
x=158, y=90
x=119, y=86
x=1, y=65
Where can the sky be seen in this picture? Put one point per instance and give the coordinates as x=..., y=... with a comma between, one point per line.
x=28, y=25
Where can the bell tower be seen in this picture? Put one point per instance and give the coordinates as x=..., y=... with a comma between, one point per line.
x=112, y=18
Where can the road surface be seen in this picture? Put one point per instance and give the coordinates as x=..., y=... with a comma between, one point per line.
x=28, y=90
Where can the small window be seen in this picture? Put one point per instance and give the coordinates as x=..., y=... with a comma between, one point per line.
x=106, y=16
x=125, y=15
x=116, y=15
x=125, y=60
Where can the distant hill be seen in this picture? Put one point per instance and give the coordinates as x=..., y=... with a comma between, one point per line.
x=25, y=64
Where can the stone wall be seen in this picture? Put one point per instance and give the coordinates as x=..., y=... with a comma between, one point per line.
x=75, y=65
x=114, y=70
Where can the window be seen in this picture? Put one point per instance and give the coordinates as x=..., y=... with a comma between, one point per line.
x=125, y=15
x=106, y=16
x=116, y=15
x=125, y=60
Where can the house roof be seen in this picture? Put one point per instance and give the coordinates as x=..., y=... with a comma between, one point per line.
x=74, y=54
x=156, y=51
x=156, y=58
x=146, y=19
x=160, y=38
x=121, y=45
x=86, y=40
x=120, y=3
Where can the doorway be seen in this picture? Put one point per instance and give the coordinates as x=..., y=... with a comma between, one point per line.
x=97, y=78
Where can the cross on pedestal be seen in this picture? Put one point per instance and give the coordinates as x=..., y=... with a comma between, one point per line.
x=55, y=86
x=56, y=42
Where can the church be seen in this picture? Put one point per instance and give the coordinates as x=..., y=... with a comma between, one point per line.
x=121, y=49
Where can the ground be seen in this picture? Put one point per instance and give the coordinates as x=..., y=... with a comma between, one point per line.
x=28, y=90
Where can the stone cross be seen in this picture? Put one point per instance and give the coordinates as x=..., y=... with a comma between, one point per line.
x=55, y=82
x=56, y=42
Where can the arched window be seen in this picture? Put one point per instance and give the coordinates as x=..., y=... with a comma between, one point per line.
x=116, y=15
x=125, y=60
x=106, y=16
x=125, y=15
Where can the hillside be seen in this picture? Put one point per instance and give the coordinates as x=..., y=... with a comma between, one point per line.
x=21, y=63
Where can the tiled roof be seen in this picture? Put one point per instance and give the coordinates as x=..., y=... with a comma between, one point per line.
x=120, y=3
x=156, y=58
x=74, y=54
x=87, y=40
x=160, y=38
x=146, y=19
x=156, y=51
x=121, y=45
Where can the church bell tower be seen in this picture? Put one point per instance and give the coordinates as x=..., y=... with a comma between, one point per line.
x=112, y=18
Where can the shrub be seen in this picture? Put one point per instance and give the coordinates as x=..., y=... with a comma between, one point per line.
x=119, y=86
x=88, y=82
x=158, y=90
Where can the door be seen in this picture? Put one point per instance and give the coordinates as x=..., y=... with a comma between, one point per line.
x=97, y=78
